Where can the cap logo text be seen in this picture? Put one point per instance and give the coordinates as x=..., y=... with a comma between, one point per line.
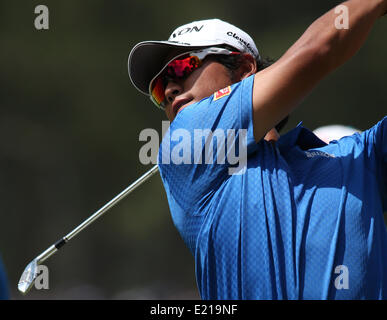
x=187, y=30
x=244, y=42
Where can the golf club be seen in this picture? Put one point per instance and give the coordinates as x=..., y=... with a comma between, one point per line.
x=31, y=271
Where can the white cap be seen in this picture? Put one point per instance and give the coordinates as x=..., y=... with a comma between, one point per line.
x=147, y=58
x=334, y=132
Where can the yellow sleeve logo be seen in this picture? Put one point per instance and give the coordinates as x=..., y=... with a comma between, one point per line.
x=222, y=93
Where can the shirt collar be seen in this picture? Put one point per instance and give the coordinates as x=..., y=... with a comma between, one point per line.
x=300, y=136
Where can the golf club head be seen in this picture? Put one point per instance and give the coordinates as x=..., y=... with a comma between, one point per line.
x=28, y=277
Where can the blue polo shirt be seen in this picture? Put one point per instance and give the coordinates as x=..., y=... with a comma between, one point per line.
x=300, y=220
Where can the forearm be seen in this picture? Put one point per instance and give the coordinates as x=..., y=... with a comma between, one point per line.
x=323, y=47
x=337, y=45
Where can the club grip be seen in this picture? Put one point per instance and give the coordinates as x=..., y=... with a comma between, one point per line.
x=60, y=243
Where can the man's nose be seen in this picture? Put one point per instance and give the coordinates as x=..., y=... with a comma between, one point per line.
x=172, y=90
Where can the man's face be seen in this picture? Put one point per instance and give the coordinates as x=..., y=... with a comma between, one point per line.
x=201, y=83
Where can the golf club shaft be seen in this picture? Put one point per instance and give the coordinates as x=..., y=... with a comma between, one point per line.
x=55, y=247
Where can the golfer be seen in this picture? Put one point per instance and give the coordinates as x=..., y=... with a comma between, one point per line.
x=300, y=218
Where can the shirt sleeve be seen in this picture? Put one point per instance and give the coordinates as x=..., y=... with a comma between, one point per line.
x=208, y=142
x=375, y=146
x=372, y=147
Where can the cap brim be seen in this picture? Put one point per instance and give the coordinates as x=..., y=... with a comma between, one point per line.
x=148, y=58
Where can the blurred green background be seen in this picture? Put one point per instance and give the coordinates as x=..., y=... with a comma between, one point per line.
x=69, y=126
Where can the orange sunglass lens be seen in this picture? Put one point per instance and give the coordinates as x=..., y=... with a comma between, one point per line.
x=158, y=91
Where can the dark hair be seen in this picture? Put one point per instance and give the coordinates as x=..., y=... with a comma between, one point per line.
x=233, y=62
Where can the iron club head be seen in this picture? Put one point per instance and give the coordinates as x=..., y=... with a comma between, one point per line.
x=28, y=277
x=31, y=271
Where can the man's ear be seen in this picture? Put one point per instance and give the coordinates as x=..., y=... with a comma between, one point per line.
x=248, y=67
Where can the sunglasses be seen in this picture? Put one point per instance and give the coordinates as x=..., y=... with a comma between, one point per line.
x=177, y=69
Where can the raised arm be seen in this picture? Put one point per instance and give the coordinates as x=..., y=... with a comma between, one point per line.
x=322, y=48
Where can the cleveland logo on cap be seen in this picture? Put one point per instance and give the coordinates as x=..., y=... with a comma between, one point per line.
x=241, y=40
